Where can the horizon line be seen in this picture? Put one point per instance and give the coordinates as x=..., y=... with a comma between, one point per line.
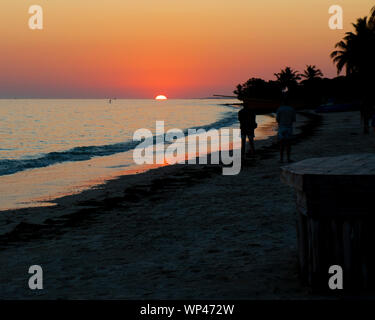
x=108, y=98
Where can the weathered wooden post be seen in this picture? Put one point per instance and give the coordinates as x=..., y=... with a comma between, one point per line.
x=335, y=199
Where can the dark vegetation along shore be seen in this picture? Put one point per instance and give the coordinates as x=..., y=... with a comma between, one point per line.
x=354, y=54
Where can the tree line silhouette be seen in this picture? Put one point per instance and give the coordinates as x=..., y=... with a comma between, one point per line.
x=354, y=54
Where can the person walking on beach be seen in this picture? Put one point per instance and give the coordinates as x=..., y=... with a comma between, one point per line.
x=285, y=117
x=247, y=119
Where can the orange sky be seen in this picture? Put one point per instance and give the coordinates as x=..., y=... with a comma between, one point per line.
x=141, y=48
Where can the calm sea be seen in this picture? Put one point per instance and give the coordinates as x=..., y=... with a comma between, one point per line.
x=51, y=148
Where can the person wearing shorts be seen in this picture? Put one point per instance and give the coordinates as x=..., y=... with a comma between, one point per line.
x=285, y=117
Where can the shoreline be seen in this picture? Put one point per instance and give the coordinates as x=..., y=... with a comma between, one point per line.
x=180, y=232
x=36, y=220
x=44, y=169
x=73, y=201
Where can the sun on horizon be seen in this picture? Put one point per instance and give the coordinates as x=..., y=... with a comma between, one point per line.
x=161, y=97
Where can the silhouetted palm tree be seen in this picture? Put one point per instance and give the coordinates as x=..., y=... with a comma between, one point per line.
x=288, y=77
x=372, y=18
x=311, y=73
x=356, y=51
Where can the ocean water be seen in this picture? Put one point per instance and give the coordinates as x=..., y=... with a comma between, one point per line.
x=51, y=148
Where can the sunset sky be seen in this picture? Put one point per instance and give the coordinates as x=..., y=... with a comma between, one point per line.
x=141, y=48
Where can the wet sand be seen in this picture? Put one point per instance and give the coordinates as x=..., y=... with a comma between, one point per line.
x=176, y=232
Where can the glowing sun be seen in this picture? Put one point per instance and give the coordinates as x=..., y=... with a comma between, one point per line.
x=161, y=97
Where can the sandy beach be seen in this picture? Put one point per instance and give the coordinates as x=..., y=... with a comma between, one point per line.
x=176, y=232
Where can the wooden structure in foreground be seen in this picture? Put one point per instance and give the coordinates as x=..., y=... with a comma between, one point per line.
x=335, y=199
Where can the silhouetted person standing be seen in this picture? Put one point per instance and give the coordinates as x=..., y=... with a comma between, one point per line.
x=285, y=117
x=248, y=124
